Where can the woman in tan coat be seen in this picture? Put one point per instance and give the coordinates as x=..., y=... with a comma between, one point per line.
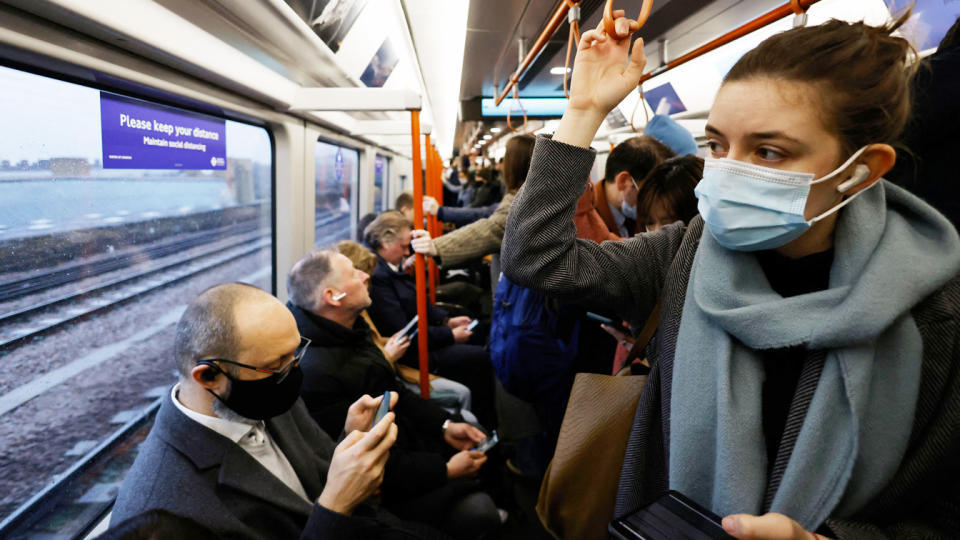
x=482, y=237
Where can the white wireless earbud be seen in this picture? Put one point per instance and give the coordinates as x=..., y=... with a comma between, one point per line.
x=340, y=296
x=859, y=175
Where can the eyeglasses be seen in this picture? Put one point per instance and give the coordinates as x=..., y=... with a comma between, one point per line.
x=280, y=373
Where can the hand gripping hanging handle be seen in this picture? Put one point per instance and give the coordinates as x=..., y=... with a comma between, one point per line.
x=610, y=21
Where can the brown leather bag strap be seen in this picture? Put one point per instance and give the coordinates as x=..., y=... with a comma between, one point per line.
x=649, y=328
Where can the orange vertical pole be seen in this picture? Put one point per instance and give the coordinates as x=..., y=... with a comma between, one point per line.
x=431, y=220
x=439, y=185
x=437, y=193
x=418, y=258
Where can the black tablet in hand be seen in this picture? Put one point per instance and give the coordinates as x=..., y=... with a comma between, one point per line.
x=671, y=516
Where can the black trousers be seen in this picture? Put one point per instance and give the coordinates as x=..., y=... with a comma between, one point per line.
x=459, y=509
x=469, y=365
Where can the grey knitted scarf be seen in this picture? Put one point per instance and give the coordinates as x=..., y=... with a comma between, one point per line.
x=891, y=251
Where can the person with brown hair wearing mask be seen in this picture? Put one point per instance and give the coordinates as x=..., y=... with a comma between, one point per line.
x=810, y=313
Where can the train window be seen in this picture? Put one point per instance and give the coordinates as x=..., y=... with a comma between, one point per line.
x=114, y=213
x=337, y=176
x=381, y=180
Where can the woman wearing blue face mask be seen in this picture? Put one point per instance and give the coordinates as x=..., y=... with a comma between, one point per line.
x=806, y=372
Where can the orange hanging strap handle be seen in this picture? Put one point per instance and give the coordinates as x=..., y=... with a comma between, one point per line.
x=646, y=114
x=611, y=17
x=516, y=97
x=573, y=17
x=419, y=259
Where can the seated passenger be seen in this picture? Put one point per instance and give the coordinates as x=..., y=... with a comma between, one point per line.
x=233, y=446
x=394, y=295
x=810, y=313
x=451, y=395
x=615, y=197
x=158, y=525
x=484, y=236
x=404, y=205
x=362, y=224
x=667, y=193
x=342, y=363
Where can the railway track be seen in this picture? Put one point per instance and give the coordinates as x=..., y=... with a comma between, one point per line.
x=49, y=279
x=18, y=327
x=22, y=325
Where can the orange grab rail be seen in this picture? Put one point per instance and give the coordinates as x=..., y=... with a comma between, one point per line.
x=552, y=26
x=793, y=6
x=418, y=258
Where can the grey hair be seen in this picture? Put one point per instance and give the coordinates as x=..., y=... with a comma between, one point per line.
x=306, y=277
x=208, y=327
x=385, y=229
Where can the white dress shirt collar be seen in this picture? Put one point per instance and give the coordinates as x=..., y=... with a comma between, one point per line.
x=228, y=428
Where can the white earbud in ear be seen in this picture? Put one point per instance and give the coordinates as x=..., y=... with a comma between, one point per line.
x=861, y=173
x=340, y=296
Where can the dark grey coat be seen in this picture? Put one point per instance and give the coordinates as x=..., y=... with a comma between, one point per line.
x=540, y=251
x=193, y=471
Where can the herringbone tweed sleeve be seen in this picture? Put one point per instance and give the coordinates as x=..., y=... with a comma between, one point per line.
x=541, y=250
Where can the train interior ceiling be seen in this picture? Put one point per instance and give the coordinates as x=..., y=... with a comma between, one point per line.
x=100, y=252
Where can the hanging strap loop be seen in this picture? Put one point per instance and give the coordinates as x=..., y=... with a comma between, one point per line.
x=573, y=17
x=516, y=98
x=610, y=17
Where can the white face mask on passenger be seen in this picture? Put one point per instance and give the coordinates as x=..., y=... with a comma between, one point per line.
x=749, y=207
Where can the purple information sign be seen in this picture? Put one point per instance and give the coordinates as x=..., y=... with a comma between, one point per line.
x=138, y=135
x=664, y=92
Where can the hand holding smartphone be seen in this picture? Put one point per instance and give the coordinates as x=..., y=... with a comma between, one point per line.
x=411, y=327
x=473, y=324
x=487, y=443
x=383, y=409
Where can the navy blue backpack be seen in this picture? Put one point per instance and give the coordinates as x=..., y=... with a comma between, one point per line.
x=533, y=343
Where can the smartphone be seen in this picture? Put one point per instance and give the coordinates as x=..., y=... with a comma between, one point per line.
x=473, y=324
x=671, y=516
x=487, y=443
x=410, y=327
x=616, y=323
x=383, y=409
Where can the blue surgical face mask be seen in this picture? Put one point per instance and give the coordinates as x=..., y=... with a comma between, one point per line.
x=627, y=209
x=749, y=208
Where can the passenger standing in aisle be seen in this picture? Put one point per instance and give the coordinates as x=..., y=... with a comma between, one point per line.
x=484, y=236
x=615, y=197
x=825, y=300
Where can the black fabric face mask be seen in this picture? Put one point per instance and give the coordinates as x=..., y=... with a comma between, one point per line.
x=262, y=399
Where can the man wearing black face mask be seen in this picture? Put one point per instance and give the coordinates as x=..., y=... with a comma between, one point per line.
x=234, y=448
